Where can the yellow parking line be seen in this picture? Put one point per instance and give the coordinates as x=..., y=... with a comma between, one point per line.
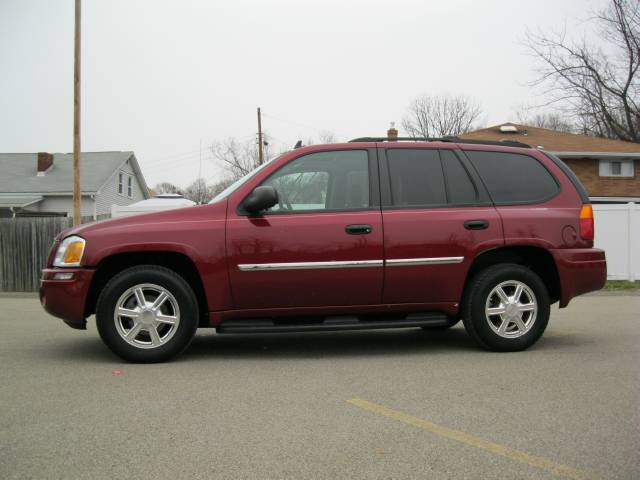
x=511, y=453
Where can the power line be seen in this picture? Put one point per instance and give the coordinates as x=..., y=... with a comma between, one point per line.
x=172, y=155
x=168, y=168
x=321, y=130
x=184, y=158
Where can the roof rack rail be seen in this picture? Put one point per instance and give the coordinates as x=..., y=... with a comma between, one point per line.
x=450, y=139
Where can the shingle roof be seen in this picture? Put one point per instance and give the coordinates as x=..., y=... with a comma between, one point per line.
x=553, y=140
x=12, y=201
x=18, y=172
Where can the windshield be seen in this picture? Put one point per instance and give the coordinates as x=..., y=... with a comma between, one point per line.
x=238, y=183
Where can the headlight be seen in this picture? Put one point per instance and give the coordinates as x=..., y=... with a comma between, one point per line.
x=69, y=252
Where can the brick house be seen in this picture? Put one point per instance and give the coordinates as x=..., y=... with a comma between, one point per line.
x=607, y=168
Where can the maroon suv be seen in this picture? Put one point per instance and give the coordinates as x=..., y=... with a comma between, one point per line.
x=367, y=234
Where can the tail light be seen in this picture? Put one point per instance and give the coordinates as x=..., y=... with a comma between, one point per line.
x=586, y=222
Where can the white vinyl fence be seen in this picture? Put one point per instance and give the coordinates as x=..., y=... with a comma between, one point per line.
x=618, y=234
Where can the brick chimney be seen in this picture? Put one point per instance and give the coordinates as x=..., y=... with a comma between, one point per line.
x=392, y=133
x=45, y=161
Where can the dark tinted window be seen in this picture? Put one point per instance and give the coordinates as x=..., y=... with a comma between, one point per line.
x=460, y=189
x=323, y=181
x=416, y=177
x=512, y=177
x=572, y=176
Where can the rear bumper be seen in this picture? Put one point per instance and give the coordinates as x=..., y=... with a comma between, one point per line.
x=580, y=271
x=66, y=299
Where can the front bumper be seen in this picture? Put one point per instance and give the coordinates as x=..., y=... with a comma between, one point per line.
x=580, y=270
x=66, y=299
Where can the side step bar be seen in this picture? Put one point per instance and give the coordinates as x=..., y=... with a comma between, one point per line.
x=333, y=323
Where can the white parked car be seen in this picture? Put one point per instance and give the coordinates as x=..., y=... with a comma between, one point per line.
x=165, y=201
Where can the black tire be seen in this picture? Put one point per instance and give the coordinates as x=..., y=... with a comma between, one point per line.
x=477, y=323
x=168, y=280
x=451, y=321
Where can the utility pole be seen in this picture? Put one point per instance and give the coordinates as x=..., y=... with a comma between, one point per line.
x=200, y=195
x=76, y=120
x=260, y=143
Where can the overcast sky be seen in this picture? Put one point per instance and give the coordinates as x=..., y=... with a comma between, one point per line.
x=160, y=77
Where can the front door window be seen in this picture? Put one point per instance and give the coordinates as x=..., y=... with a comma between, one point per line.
x=332, y=181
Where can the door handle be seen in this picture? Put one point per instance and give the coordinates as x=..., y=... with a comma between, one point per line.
x=476, y=224
x=357, y=229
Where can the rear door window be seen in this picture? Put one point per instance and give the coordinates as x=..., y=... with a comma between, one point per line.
x=416, y=177
x=513, y=178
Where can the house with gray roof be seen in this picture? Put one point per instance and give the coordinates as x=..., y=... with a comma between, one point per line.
x=41, y=184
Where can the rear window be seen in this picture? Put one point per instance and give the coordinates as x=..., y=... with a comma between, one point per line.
x=513, y=177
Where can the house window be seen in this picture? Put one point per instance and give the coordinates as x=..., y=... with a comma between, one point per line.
x=616, y=168
x=129, y=186
x=121, y=183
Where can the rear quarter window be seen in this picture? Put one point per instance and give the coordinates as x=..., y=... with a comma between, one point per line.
x=513, y=177
x=460, y=189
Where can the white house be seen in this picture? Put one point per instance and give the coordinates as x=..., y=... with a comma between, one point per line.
x=41, y=184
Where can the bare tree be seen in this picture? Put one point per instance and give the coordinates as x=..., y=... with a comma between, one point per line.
x=551, y=120
x=327, y=136
x=218, y=187
x=199, y=191
x=238, y=158
x=597, y=87
x=439, y=116
x=166, y=187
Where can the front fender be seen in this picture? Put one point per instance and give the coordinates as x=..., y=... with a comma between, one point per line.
x=200, y=240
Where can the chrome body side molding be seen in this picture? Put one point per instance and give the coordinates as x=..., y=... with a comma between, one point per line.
x=403, y=262
x=396, y=262
x=252, y=267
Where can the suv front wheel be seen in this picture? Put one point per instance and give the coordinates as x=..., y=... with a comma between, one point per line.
x=147, y=314
x=506, y=308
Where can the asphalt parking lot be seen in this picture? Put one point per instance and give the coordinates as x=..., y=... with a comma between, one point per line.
x=398, y=404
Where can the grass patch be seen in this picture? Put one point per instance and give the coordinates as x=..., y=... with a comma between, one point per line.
x=616, y=285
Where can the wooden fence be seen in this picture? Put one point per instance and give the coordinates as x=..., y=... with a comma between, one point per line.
x=24, y=248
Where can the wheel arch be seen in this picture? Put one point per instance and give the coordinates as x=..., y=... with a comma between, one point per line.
x=537, y=259
x=176, y=261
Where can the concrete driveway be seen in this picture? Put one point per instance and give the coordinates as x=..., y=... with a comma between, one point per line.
x=401, y=404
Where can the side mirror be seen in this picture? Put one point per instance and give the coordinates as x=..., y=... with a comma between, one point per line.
x=260, y=199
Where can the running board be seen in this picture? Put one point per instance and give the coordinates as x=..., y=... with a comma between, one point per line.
x=331, y=323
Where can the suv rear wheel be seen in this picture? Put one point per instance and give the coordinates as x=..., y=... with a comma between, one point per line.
x=506, y=308
x=147, y=314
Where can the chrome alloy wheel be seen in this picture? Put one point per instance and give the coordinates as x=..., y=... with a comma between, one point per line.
x=511, y=309
x=147, y=316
